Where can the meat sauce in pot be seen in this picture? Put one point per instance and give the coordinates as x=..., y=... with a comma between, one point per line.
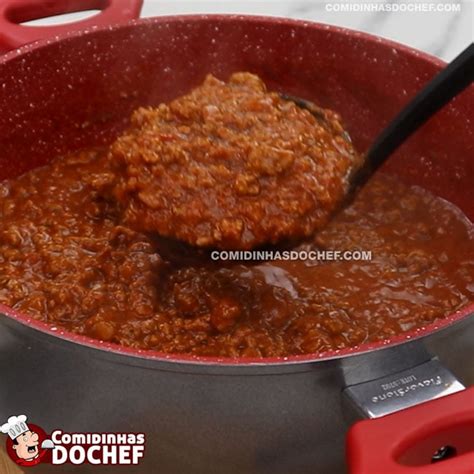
x=68, y=257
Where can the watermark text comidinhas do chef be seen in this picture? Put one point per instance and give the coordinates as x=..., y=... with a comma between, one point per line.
x=392, y=7
x=291, y=255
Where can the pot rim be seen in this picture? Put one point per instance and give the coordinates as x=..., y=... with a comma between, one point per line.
x=151, y=355
x=188, y=359
x=257, y=19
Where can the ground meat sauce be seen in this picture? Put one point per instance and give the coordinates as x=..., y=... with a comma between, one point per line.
x=67, y=257
x=231, y=165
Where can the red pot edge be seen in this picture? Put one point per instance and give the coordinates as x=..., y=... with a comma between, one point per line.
x=86, y=341
x=257, y=19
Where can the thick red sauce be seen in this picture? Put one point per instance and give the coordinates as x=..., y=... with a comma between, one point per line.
x=233, y=166
x=67, y=258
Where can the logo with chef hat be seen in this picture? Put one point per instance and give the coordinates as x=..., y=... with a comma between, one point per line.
x=27, y=444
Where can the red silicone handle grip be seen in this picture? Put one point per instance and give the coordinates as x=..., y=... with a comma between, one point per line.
x=404, y=442
x=13, y=12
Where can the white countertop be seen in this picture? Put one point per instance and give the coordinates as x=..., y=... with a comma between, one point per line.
x=443, y=33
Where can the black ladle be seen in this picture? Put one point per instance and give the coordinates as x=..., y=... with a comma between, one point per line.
x=447, y=84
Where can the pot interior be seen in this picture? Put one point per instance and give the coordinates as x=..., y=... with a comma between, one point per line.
x=79, y=92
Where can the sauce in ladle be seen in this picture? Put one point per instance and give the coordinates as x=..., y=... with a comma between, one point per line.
x=232, y=166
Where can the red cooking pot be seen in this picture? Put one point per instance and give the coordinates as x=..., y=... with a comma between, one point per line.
x=206, y=415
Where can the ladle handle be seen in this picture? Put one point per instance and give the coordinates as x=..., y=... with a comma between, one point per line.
x=452, y=80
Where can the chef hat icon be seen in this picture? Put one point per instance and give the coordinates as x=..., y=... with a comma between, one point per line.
x=15, y=426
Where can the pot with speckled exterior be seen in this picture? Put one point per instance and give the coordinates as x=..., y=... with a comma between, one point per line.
x=205, y=415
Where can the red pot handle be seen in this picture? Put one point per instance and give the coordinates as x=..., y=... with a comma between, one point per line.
x=13, y=12
x=405, y=441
